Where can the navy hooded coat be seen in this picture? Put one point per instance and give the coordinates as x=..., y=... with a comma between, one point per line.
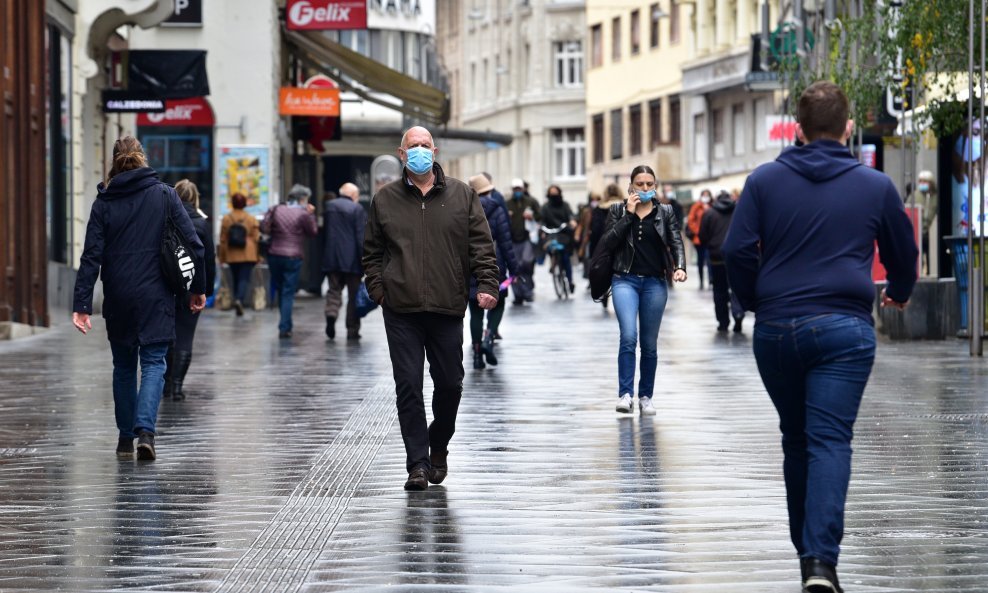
x=123, y=243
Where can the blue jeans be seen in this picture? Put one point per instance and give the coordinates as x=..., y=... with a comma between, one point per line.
x=815, y=368
x=284, y=274
x=241, y=272
x=638, y=301
x=137, y=410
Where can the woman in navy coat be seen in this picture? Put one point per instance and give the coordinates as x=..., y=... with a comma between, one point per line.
x=123, y=242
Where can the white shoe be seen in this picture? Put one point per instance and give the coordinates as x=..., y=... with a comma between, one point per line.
x=624, y=404
x=645, y=405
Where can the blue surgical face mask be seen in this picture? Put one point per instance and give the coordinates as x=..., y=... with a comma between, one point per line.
x=646, y=196
x=419, y=160
x=518, y=194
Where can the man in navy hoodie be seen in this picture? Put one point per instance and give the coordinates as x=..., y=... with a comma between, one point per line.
x=799, y=254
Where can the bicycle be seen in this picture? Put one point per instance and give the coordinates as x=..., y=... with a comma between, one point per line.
x=556, y=252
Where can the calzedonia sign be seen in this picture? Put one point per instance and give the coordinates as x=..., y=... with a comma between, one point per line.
x=326, y=14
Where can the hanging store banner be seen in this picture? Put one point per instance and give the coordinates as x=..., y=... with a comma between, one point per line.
x=319, y=102
x=244, y=169
x=166, y=73
x=326, y=14
x=194, y=112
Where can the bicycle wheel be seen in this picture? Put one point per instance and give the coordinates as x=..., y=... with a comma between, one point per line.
x=559, y=277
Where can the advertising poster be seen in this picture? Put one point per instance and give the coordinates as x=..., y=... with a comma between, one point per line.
x=244, y=169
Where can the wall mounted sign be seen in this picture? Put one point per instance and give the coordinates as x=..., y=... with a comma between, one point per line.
x=326, y=14
x=318, y=101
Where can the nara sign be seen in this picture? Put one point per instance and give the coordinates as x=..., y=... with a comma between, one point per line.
x=326, y=14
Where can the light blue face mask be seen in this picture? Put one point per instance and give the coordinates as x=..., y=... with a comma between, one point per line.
x=646, y=196
x=419, y=160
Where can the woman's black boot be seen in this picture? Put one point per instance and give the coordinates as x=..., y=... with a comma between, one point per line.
x=478, y=358
x=183, y=359
x=487, y=348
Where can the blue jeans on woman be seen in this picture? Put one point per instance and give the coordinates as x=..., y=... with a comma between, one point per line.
x=137, y=410
x=639, y=302
x=241, y=272
x=284, y=274
x=815, y=368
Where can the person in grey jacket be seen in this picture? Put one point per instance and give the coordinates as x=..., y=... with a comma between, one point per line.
x=426, y=235
x=343, y=220
x=288, y=224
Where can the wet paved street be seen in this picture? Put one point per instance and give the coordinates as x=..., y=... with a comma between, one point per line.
x=283, y=469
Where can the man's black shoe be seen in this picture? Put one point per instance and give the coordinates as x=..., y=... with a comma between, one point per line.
x=417, y=479
x=125, y=448
x=439, y=467
x=330, y=327
x=353, y=334
x=722, y=328
x=737, y=324
x=818, y=576
x=284, y=335
x=145, y=446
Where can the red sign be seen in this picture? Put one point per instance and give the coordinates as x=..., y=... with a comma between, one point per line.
x=181, y=112
x=915, y=214
x=326, y=14
x=320, y=102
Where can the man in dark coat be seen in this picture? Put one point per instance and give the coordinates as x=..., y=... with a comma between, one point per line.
x=123, y=243
x=799, y=254
x=343, y=222
x=713, y=230
x=426, y=235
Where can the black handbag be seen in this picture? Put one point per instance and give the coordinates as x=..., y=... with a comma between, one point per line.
x=600, y=274
x=177, y=265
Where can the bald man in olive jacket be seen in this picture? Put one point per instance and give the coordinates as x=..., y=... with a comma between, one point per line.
x=426, y=236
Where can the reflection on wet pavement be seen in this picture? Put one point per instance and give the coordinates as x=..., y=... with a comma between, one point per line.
x=283, y=469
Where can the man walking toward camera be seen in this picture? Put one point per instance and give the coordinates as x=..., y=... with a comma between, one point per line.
x=426, y=235
x=799, y=253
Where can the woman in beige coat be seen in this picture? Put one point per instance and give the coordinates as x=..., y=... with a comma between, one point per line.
x=239, y=234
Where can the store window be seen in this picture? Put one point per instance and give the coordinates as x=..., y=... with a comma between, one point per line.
x=569, y=64
x=569, y=149
x=58, y=142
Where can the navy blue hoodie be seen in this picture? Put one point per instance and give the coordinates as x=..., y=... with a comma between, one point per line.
x=803, y=236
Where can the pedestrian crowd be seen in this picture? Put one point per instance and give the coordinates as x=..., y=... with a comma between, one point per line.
x=795, y=246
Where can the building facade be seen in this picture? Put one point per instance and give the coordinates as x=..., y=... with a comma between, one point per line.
x=518, y=68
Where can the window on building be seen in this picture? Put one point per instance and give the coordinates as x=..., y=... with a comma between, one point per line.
x=485, y=81
x=675, y=133
x=597, y=46
x=636, y=32
x=654, y=123
x=717, y=117
x=737, y=119
x=635, y=129
x=569, y=153
x=617, y=138
x=569, y=64
x=761, y=126
x=473, y=82
x=653, y=30
x=673, y=22
x=699, y=138
x=616, y=39
x=598, y=138
x=58, y=102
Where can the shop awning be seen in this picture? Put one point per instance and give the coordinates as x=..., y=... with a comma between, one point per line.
x=417, y=99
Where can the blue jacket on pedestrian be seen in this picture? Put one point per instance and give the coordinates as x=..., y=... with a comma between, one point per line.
x=343, y=223
x=501, y=233
x=123, y=246
x=803, y=236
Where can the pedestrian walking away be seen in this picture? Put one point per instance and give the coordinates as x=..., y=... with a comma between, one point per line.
x=426, y=236
x=523, y=210
x=343, y=220
x=697, y=210
x=238, y=248
x=645, y=238
x=288, y=224
x=713, y=231
x=179, y=355
x=483, y=339
x=799, y=254
x=123, y=247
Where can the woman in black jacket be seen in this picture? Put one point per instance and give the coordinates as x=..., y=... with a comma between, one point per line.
x=647, y=245
x=180, y=352
x=123, y=245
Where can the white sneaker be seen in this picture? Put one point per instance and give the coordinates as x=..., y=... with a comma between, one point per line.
x=624, y=404
x=645, y=405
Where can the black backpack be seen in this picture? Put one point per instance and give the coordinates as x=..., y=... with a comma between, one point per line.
x=177, y=264
x=236, y=235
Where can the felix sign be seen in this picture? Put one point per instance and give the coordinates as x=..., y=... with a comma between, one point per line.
x=326, y=14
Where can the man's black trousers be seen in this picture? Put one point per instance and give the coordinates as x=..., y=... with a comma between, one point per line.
x=412, y=338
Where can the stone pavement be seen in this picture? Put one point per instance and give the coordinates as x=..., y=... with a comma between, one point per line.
x=283, y=469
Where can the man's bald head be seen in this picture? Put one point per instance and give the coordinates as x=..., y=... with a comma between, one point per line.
x=350, y=190
x=417, y=136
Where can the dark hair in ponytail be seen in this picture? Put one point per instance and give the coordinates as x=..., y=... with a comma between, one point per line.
x=128, y=154
x=643, y=169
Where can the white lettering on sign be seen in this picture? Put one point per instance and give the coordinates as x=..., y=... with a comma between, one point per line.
x=181, y=5
x=302, y=14
x=176, y=113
